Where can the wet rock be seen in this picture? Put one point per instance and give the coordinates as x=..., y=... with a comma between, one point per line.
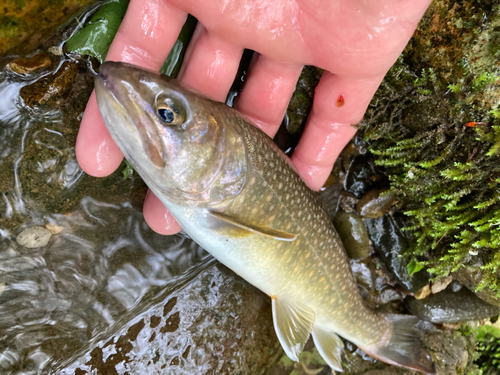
x=471, y=277
x=347, y=201
x=352, y=232
x=423, y=292
x=298, y=109
x=362, y=176
x=330, y=199
x=390, y=244
x=388, y=295
x=207, y=327
x=34, y=237
x=451, y=307
x=30, y=64
x=450, y=351
x=373, y=205
x=51, y=86
x=441, y=284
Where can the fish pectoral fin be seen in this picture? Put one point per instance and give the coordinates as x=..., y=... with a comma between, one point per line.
x=293, y=323
x=330, y=346
x=265, y=231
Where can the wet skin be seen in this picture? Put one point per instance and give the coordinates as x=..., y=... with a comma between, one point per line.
x=356, y=42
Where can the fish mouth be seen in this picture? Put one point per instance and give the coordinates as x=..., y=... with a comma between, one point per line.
x=127, y=114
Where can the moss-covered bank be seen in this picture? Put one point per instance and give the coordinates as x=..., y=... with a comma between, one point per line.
x=435, y=126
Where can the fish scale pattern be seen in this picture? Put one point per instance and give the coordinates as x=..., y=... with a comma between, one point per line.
x=315, y=262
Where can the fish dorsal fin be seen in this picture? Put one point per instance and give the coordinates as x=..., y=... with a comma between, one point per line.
x=265, y=231
x=330, y=346
x=293, y=323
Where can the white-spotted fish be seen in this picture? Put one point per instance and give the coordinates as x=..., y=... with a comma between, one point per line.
x=235, y=193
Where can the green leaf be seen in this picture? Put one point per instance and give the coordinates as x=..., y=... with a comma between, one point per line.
x=96, y=37
x=173, y=63
x=414, y=266
x=128, y=170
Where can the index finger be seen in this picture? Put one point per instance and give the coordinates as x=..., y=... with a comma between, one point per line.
x=145, y=37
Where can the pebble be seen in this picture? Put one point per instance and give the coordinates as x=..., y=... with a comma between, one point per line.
x=53, y=228
x=353, y=234
x=373, y=205
x=34, y=237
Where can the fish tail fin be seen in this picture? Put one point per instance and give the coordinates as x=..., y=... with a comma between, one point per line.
x=403, y=347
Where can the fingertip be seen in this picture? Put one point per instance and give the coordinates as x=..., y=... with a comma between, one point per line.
x=158, y=217
x=96, y=152
x=313, y=175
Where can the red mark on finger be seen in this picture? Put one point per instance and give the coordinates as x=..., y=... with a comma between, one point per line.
x=340, y=101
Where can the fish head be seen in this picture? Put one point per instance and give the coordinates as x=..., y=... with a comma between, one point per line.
x=187, y=147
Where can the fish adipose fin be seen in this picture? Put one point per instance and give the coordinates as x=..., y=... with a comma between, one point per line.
x=402, y=346
x=330, y=346
x=293, y=323
x=265, y=231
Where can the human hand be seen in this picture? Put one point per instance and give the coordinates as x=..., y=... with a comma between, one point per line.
x=355, y=42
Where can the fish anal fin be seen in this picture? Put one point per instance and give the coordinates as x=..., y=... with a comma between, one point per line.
x=403, y=347
x=249, y=227
x=330, y=346
x=293, y=322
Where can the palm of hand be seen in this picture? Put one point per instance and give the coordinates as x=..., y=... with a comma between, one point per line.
x=356, y=42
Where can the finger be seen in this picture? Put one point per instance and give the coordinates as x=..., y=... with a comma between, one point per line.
x=147, y=33
x=96, y=152
x=211, y=64
x=158, y=217
x=267, y=92
x=337, y=104
x=145, y=37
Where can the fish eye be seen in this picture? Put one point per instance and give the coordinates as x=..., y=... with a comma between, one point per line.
x=170, y=112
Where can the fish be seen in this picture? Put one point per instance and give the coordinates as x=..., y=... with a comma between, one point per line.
x=237, y=195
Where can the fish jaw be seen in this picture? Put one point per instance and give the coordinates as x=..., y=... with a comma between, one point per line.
x=197, y=159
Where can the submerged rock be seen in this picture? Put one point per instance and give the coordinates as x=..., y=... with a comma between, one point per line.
x=207, y=327
x=34, y=237
x=451, y=307
x=51, y=86
x=30, y=64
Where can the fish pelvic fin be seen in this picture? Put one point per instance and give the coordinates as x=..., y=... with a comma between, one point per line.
x=252, y=228
x=402, y=345
x=293, y=322
x=330, y=346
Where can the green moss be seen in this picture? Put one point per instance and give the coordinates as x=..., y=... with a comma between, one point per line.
x=488, y=349
x=446, y=174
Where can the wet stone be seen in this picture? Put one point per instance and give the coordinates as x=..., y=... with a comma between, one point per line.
x=34, y=237
x=390, y=244
x=51, y=86
x=347, y=201
x=352, y=232
x=362, y=176
x=373, y=205
x=441, y=284
x=30, y=64
x=451, y=307
x=471, y=277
